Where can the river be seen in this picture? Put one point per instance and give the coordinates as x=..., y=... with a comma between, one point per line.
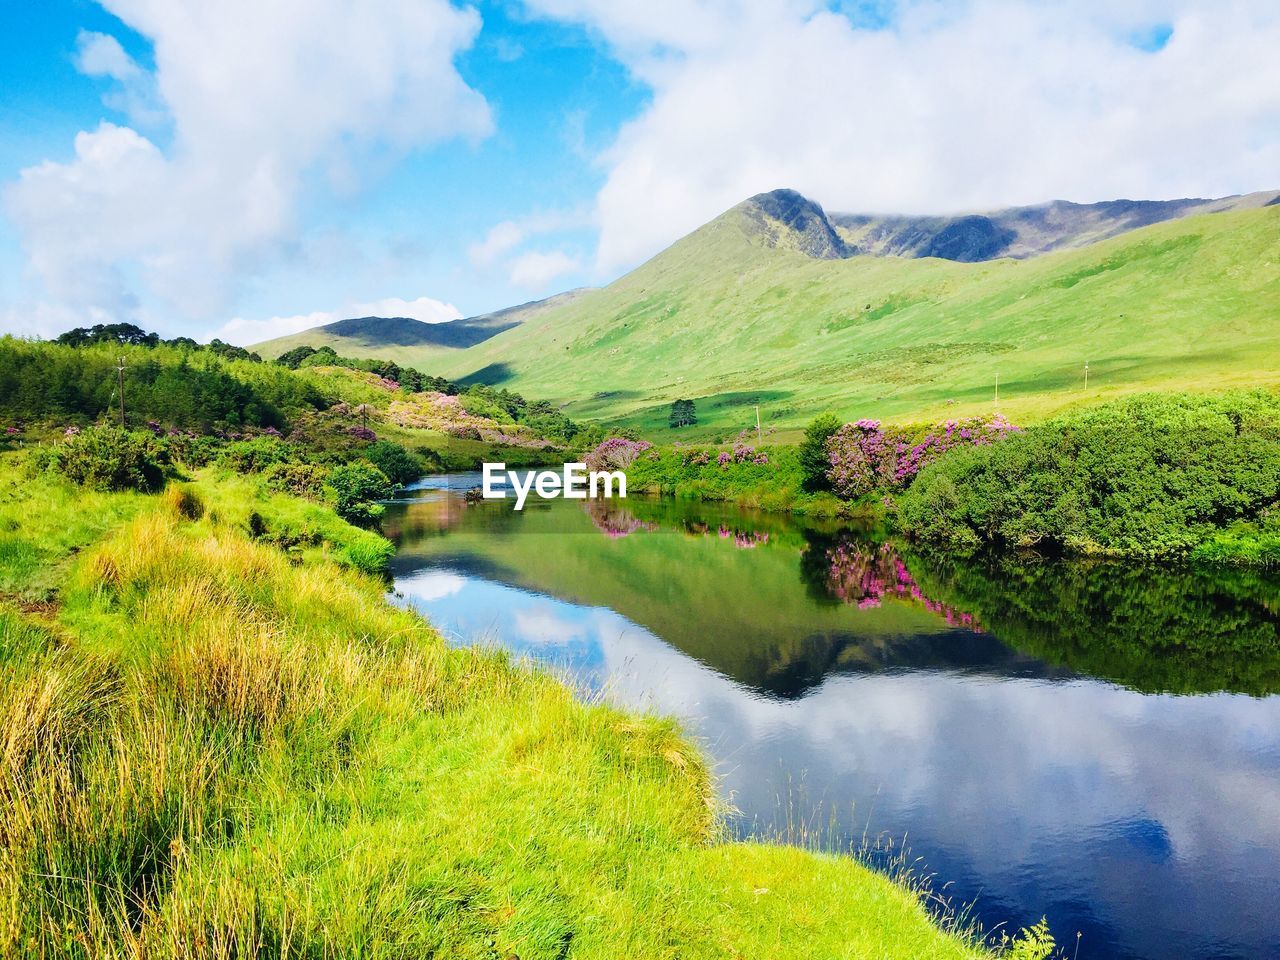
x=1097, y=743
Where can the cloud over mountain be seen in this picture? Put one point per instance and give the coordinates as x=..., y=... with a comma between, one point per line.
x=926, y=106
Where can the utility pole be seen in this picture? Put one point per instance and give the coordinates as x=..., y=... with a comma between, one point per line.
x=759, y=434
x=120, y=374
x=1086, y=374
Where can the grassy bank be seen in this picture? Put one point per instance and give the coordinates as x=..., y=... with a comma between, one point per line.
x=1161, y=475
x=765, y=478
x=213, y=747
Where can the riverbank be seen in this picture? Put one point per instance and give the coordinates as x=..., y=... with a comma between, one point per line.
x=1153, y=476
x=216, y=746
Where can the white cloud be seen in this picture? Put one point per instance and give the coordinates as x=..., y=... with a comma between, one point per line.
x=423, y=308
x=260, y=97
x=508, y=235
x=501, y=238
x=100, y=55
x=243, y=332
x=46, y=320
x=538, y=268
x=968, y=105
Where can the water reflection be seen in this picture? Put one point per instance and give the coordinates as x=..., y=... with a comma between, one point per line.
x=1149, y=822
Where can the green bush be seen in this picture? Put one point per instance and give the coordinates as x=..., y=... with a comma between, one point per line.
x=357, y=487
x=109, y=458
x=813, y=454
x=1151, y=475
x=191, y=450
x=300, y=479
x=255, y=455
x=400, y=466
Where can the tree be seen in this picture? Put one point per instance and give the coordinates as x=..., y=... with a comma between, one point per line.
x=400, y=466
x=291, y=358
x=683, y=414
x=125, y=333
x=813, y=451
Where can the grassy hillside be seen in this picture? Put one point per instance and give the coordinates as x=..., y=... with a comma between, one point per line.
x=411, y=342
x=729, y=321
x=213, y=749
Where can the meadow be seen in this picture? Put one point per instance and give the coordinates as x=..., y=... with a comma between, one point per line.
x=730, y=322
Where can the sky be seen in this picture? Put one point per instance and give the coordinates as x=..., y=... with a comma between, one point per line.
x=246, y=170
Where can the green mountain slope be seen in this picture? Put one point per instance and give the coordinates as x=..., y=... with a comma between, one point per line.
x=411, y=342
x=755, y=309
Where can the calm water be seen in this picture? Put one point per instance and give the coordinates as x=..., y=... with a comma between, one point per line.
x=1095, y=743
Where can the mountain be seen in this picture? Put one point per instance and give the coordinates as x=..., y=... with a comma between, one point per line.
x=412, y=342
x=1020, y=232
x=788, y=220
x=776, y=303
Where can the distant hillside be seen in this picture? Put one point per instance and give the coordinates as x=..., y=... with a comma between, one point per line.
x=411, y=342
x=788, y=220
x=770, y=303
x=1020, y=232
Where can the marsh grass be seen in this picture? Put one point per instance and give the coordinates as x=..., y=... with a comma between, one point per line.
x=220, y=750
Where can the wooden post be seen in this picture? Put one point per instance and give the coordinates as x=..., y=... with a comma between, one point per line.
x=759, y=434
x=120, y=372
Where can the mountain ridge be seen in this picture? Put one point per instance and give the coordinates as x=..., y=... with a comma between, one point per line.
x=407, y=340
x=974, y=236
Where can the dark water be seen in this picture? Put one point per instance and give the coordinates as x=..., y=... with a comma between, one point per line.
x=1097, y=743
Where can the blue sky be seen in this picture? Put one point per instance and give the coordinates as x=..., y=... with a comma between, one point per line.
x=245, y=169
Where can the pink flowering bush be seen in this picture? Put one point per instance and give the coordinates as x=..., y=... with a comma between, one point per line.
x=616, y=453
x=867, y=456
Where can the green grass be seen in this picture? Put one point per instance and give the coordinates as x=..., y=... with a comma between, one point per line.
x=211, y=748
x=721, y=319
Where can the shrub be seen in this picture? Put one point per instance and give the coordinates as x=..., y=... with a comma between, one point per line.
x=299, y=479
x=400, y=466
x=616, y=453
x=190, y=449
x=109, y=458
x=813, y=453
x=255, y=455
x=357, y=487
x=1152, y=475
x=865, y=456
